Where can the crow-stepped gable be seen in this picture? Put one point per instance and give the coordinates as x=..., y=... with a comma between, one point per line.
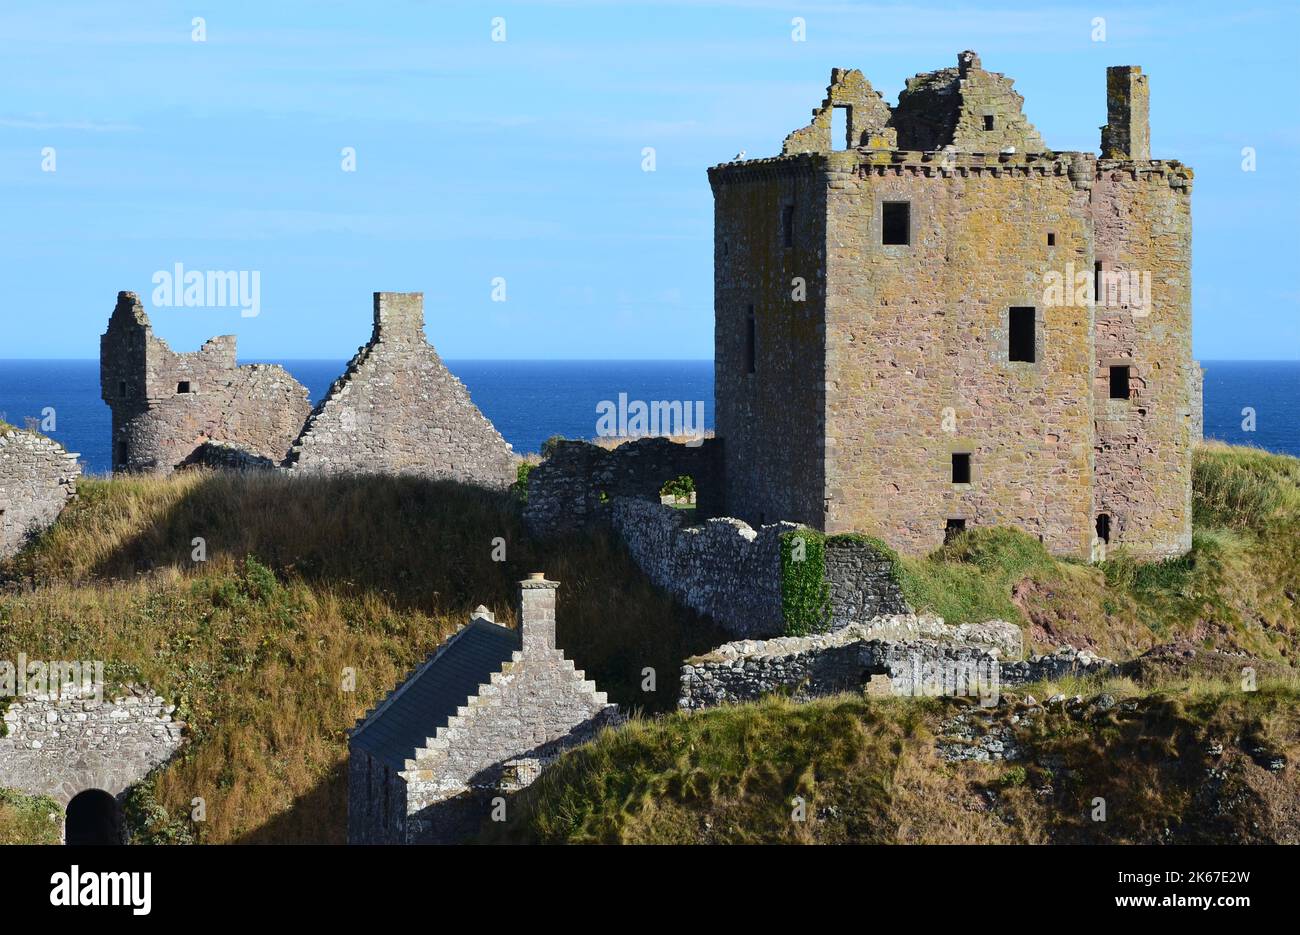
x=481, y=716
x=906, y=341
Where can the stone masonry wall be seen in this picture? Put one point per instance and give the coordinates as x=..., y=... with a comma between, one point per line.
x=37, y=479
x=728, y=570
x=573, y=486
x=1143, y=479
x=862, y=583
x=398, y=410
x=769, y=261
x=914, y=655
x=166, y=404
x=722, y=567
x=65, y=744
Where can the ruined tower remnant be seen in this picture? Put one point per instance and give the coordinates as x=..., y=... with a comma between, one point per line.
x=936, y=322
x=38, y=477
x=397, y=409
x=165, y=405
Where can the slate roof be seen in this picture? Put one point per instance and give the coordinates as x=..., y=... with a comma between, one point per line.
x=452, y=674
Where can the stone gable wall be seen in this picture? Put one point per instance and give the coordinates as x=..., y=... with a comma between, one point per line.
x=534, y=708
x=62, y=745
x=38, y=477
x=398, y=410
x=259, y=408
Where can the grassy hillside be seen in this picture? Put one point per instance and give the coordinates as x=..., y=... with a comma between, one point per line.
x=869, y=771
x=306, y=578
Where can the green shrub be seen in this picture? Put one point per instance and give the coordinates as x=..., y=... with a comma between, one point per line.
x=520, y=487
x=679, y=488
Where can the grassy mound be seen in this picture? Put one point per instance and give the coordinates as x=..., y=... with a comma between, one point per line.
x=868, y=770
x=305, y=581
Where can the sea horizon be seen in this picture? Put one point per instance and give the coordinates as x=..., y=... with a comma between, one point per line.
x=1247, y=402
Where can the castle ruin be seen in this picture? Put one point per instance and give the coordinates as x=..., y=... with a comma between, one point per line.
x=167, y=405
x=906, y=337
x=396, y=409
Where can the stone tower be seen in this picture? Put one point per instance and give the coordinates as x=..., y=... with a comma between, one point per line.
x=906, y=337
x=165, y=405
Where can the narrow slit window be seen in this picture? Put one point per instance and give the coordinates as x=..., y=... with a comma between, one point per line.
x=961, y=468
x=1051, y=239
x=953, y=529
x=121, y=387
x=896, y=223
x=751, y=341
x=988, y=121
x=1119, y=386
x=787, y=226
x=1020, y=334
x=1103, y=527
x=183, y=386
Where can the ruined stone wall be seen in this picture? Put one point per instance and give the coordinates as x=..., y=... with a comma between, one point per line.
x=398, y=410
x=166, y=404
x=731, y=572
x=770, y=419
x=574, y=485
x=1143, y=482
x=863, y=583
x=917, y=351
x=906, y=655
x=37, y=479
x=722, y=567
x=65, y=744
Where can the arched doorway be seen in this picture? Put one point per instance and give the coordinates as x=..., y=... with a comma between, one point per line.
x=93, y=818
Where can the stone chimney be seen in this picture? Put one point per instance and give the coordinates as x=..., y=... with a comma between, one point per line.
x=399, y=317
x=537, y=612
x=1127, y=133
x=966, y=61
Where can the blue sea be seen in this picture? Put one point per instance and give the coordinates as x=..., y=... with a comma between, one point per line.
x=529, y=401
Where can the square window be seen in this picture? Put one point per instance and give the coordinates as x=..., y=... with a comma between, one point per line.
x=953, y=529
x=896, y=223
x=1020, y=334
x=961, y=468
x=1119, y=388
x=1103, y=527
x=988, y=121
x=183, y=386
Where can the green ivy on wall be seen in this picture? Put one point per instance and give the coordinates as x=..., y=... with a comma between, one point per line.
x=805, y=593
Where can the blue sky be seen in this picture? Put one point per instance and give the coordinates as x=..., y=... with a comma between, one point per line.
x=523, y=159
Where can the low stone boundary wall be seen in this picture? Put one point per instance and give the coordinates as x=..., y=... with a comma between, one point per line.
x=862, y=583
x=1065, y=661
x=899, y=655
